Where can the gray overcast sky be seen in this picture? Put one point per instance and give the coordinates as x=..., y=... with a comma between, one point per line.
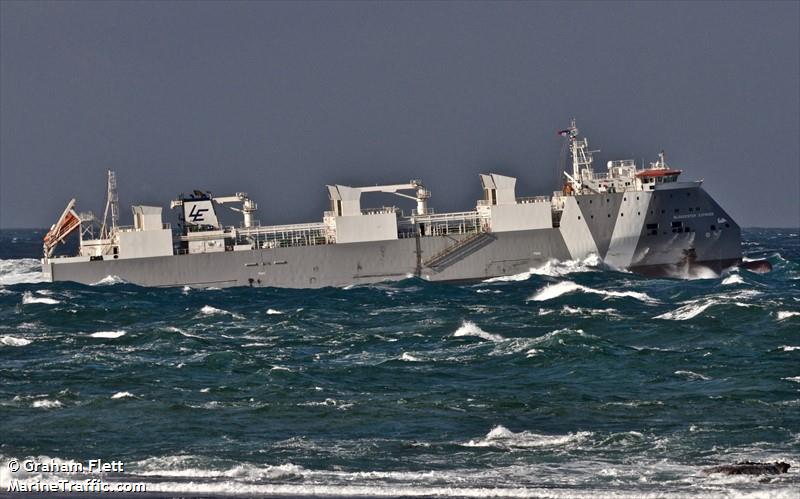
x=279, y=99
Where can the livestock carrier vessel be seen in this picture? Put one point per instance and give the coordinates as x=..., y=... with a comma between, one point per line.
x=639, y=218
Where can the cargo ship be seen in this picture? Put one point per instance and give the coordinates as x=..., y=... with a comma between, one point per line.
x=642, y=218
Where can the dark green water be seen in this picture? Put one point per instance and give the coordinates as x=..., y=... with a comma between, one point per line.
x=572, y=381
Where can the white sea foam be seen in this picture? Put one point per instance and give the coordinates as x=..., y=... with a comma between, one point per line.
x=732, y=279
x=552, y=291
x=566, y=309
x=108, y=334
x=20, y=271
x=28, y=298
x=12, y=341
x=533, y=352
x=785, y=314
x=692, y=375
x=272, y=311
x=502, y=437
x=409, y=358
x=796, y=379
x=469, y=328
x=554, y=268
x=46, y=404
x=693, y=273
x=687, y=312
x=788, y=348
x=122, y=395
x=209, y=310
x=110, y=280
x=693, y=308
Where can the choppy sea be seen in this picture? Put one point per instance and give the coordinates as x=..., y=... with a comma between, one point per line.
x=571, y=380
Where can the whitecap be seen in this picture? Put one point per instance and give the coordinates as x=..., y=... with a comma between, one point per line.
x=692, y=375
x=28, y=298
x=209, y=310
x=687, y=312
x=407, y=357
x=182, y=467
x=110, y=280
x=122, y=395
x=20, y=271
x=784, y=314
x=552, y=291
x=533, y=352
x=46, y=404
x=553, y=268
x=789, y=348
x=796, y=379
x=11, y=341
x=566, y=309
x=469, y=328
x=732, y=279
x=272, y=311
x=502, y=437
x=108, y=334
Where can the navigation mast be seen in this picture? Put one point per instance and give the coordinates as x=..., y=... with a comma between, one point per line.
x=112, y=204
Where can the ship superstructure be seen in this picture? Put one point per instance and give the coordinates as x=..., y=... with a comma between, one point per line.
x=644, y=219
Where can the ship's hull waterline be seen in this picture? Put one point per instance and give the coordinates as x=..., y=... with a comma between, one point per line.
x=618, y=227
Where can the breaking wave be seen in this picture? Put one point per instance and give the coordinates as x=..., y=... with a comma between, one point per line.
x=785, y=314
x=552, y=291
x=502, y=437
x=407, y=357
x=110, y=280
x=108, y=334
x=12, y=341
x=20, y=271
x=28, y=299
x=732, y=279
x=45, y=404
x=554, y=268
x=686, y=312
x=209, y=310
x=469, y=328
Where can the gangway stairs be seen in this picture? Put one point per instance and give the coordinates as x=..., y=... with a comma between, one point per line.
x=459, y=251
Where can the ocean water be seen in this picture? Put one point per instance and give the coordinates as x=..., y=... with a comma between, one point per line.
x=566, y=381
